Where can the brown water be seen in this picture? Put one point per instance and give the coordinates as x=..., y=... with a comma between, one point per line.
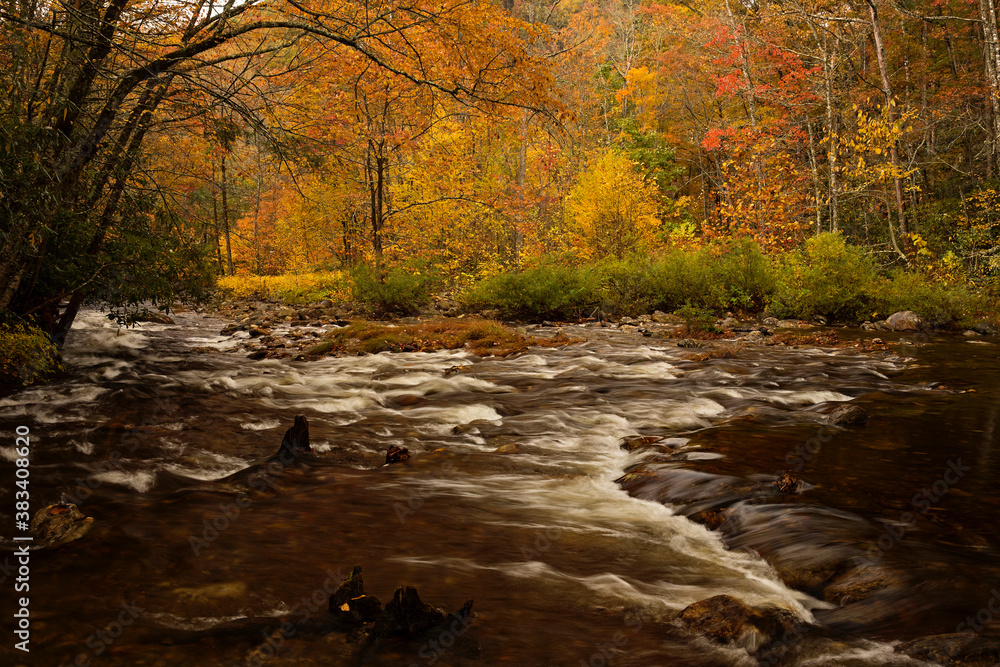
x=565, y=568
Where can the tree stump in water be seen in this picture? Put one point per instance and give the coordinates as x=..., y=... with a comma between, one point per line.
x=296, y=440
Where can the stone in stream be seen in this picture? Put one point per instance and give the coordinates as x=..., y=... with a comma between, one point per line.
x=859, y=584
x=786, y=484
x=847, y=415
x=396, y=454
x=727, y=620
x=633, y=442
x=954, y=649
x=906, y=320
x=59, y=524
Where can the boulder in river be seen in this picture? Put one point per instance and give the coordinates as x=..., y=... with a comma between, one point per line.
x=847, y=415
x=957, y=648
x=906, y=320
x=59, y=524
x=727, y=620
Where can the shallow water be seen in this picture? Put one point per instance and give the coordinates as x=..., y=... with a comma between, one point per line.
x=158, y=443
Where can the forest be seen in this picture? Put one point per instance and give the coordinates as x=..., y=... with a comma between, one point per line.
x=148, y=149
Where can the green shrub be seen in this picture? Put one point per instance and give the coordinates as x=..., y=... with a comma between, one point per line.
x=544, y=292
x=827, y=277
x=400, y=290
x=27, y=355
x=627, y=286
x=939, y=303
x=750, y=277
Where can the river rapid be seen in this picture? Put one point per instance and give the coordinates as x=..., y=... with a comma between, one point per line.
x=156, y=441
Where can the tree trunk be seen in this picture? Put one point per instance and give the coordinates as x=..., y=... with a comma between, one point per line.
x=889, y=113
x=991, y=62
x=225, y=217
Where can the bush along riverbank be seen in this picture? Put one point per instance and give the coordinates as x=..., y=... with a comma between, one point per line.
x=720, y=291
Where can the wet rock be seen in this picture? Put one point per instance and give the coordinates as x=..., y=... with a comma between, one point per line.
x=847, y=415
x=820, y=320
x=396, y=454
x=969, y=333
x=770, y=322
x=325, y=303
x=728, y=324
x=661, y=317
x=984, y=328
x=257, y=355
x=867, y=326
x=788, y=324
x=256, y=332
x=509, y=448
x=59, y=524
x=634, y=442
x=688, y=343
x=229, y=329
x=156, y=318
x=906, y=320
x=786, y=484
x=727, y=620
x=959, y=648
x=858, y=584
x=409, y=616
x=711, y=519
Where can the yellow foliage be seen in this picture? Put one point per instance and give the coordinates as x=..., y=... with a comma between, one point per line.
x=289, y=287
x=611, y=211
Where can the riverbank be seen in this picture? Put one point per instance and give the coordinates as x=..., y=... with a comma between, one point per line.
x=268, y=330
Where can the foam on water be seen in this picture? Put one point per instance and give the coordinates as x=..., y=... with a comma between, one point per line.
x=140, y=480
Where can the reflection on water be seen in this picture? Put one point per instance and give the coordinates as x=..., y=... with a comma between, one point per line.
x=565, y=568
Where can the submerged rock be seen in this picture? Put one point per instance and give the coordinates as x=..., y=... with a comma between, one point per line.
x=727, y=620
x=906, y=320
x=847, y=415
x=786, y=484
x=396, y=454
x=958, y=648
x=59, y=524
x=156, y=318
x=859, y=584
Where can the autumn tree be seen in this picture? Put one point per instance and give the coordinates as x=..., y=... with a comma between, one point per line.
x=85, y=85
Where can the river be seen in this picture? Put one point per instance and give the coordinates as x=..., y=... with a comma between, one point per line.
x=154, y=440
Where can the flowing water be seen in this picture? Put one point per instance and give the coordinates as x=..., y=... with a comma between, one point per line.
x=158, y=443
